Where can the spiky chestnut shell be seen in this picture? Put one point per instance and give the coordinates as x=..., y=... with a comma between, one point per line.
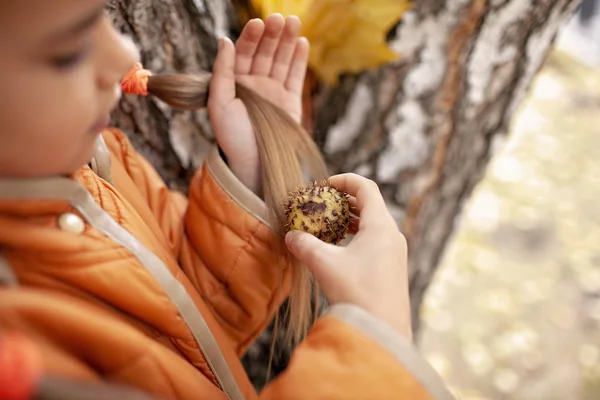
x=320, y=210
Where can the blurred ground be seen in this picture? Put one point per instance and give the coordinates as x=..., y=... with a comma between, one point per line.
x=514, y=311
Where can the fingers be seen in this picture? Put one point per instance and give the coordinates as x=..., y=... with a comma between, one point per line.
x=246, y=45
x=353, y=226
x=369, y=202
x=274, y=49
x=263, y=59
x=354, y=215
x=316, y=255
x=286, y=49
x=295, y=79
x=353, y=205
x=222, y=83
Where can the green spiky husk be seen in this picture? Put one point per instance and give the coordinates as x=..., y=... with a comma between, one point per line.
x=320, y=210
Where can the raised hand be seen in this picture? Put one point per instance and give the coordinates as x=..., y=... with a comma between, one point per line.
x=270, y=58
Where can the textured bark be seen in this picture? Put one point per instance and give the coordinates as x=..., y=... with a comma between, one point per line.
x=172, y=35
x=424, y=127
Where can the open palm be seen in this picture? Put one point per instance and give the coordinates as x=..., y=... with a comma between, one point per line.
x=270, y=58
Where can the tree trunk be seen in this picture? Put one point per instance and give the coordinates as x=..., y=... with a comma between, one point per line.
x=172, y=35
x=424, y=127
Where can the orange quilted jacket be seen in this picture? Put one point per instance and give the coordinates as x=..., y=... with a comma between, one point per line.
x=115, y=277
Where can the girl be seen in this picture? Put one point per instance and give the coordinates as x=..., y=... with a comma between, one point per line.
x=116, y=287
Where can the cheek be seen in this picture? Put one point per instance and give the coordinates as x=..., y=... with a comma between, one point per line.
x=48, y=120
x=69, y=104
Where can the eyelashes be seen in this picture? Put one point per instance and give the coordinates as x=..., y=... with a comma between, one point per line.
x=71, y=60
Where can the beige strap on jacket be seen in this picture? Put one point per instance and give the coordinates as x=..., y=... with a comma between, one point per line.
x=81, y=199
x=7, y=276
x=100, y=163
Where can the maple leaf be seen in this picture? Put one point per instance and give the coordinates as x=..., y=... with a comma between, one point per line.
x=346, y=36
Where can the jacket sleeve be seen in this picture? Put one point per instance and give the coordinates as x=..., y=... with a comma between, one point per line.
x=350, y=354
x=221, y=238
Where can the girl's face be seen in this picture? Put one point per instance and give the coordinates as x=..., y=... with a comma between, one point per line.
x=61, y=62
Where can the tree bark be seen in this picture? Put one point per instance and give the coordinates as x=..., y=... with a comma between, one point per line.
x=423, y=127
x=172, y=36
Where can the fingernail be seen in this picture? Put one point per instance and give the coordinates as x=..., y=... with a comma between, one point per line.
x=221, y=42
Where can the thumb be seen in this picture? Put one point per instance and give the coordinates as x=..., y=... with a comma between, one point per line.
x=222, y=83
x=319, y=257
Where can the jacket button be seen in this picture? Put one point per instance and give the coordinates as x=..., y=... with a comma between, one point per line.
x=71, y=223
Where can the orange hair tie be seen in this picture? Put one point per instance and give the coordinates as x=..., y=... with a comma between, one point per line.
x=136, y=80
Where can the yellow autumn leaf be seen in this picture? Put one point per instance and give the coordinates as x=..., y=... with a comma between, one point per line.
x=346, y=36
x=283, y=7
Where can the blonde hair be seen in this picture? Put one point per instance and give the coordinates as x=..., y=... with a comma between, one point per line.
x=286, y=151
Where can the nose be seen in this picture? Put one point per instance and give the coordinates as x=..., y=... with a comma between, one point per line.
x=117, y=54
